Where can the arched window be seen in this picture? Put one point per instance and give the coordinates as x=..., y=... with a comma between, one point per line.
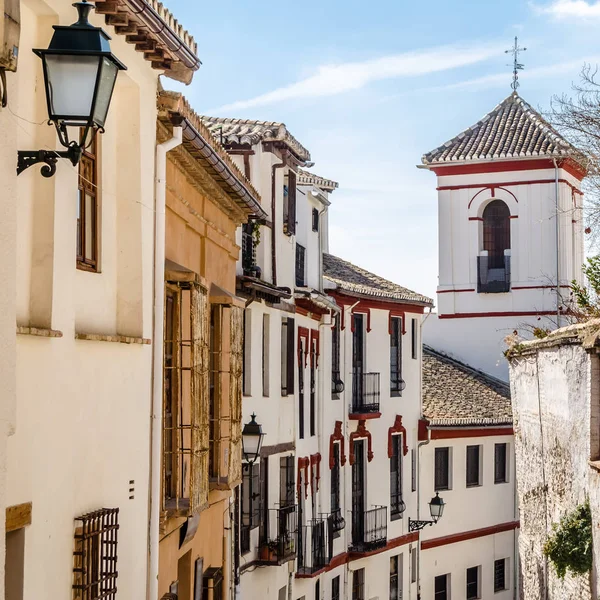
x=496, y=232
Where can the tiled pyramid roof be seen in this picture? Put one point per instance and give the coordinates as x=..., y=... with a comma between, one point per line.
x=455, y=394
x=247, y=131
x=512, y=130
x=356, y=281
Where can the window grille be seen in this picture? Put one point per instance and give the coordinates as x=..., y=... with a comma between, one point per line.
x=358, y=584
x=500, y=463
x=313, y=387
x=186, y=399
x=87, y=209
x=473, y=458
x=442, y=467
x=396, y=382
x=335, y=479
x=397, y=505
x=499, y=575
x=301, y=390
x=335, y=356
x=248, y=249
x=95, y=555
x=300, y=265
x=287, y=481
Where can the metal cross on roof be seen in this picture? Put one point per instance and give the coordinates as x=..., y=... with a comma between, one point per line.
x=517, y=66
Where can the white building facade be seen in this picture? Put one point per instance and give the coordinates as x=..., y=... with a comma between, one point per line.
x=77, y=476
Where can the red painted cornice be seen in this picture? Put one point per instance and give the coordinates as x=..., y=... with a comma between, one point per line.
x=468, y=535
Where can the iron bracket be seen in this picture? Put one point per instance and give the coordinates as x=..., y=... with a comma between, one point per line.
x=418, y=525
x=28, y=158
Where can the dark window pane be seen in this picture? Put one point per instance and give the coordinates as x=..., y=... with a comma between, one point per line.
x=396, y=383
x=414, y=340
x=315, y=219
x=472, y=466
x=394, y=591
x=500, y=463
x=441, y=587
x=472, y=583
x=397, y=505
x=499, y=575
x=442, y=478
x=335, y=588
x=358, y=584
x=300, y=265
x=496, y=232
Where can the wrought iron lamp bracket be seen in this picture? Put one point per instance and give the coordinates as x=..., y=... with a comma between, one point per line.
x=418, y=525
x=28, y=158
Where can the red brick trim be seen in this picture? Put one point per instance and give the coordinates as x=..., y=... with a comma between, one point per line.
x=315, y=465
x=314, y=348
x=337, y=436
x=451, y=433
x=361, y=432
x=363, y=416
x=456, y=291
x=475, y=219
x=399, y=314
x=303, y=333
x=306, y=313
x=382, y=304
x=468, y=535
x=423, y=430
x=362, y=310
x=397, y=428
x=532, y=313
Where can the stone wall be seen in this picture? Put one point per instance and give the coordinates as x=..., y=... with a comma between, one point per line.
x=555, y=399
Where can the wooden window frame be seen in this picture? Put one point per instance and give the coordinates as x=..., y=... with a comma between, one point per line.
x=91, y=188
x=335, y=588
x=473, y=466
x=358, y=584
x=439, y=486
x=504, y=477
x=437, y=595
x=469, y=583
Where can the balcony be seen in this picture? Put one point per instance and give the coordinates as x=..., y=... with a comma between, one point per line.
x=493, y=274
x=280, y=544
x=365, y=396
x=337, y=521
x=249, y=251
x=315, y=546
x=369, y=529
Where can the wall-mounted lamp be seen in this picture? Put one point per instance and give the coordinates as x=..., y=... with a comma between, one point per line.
x=436, y=509
x=252, y=437
x=80, y=73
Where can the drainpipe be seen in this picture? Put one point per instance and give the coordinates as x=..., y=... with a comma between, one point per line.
x=273, y=225
x=321, y=249
x=157, y=357
x=557, y=244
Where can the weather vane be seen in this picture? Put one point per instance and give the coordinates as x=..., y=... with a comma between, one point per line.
x=517, y=66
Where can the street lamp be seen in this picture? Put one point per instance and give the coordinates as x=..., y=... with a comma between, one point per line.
x=80, y=73
x=252, y=436
x=436, y=509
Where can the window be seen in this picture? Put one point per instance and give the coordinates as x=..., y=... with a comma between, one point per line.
x=264, y=500
x=315, y=219
x=249, y=249
x=414, y=340
x=396, y=382
x=496, y=232
x=335, y=479
x=212, y=582
x=500, y=575
x=266, y=334
x=335, y=357
x=247, y=355
x=87, y=209
x=413, y=565
x=286, y=481
x=472, y=583
x=313, y=386
x=282, y=593
x=473, y=464
x=397, y=506
x=301, y=390
x=500, y=452
x=288, y=356
x=441, y=587
x=413, y=470
x=358, y=584
x=300, y=265
x=442, y=469
x=396, y=577
x=318, y=589
x=289, y=204
x=95, y=563
x=335, y=588
x=250, y=495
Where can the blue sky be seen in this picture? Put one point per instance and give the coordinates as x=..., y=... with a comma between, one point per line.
x=368, y=87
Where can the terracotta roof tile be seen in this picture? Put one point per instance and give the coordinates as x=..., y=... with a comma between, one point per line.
x=512, y=130
x=357, y=281
x=307, y=178
x=247, y=131
x=455, y=394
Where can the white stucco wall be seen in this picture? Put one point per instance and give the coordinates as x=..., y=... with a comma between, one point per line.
x=82, y=437
x=555, y=406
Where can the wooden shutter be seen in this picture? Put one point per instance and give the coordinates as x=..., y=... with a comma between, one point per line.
x=291, y=213
x=441, y=468
x=236, y=332
x=200, y=431
x=255, y=498
x=291, y=354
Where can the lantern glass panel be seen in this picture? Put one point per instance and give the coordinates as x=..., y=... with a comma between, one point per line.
x=436, y=508
x=251, y=445
x=71, y=82
x=106, y=85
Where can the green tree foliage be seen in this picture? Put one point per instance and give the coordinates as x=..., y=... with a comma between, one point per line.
x=587, y=298
x=569, y=548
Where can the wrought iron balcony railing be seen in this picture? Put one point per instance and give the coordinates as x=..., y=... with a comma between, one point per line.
x=493, y=274
x=279, y=545
x=365, y=393
x=315, y=546
x=369, y=529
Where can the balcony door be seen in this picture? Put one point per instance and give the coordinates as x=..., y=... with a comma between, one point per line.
x=358, y=493
x=496, y=232
x=358, y=359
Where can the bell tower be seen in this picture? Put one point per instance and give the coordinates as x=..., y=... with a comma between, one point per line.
x=510, y=233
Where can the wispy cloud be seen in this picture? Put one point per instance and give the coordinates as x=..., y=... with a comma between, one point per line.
x=563, y=9
x=330, y=80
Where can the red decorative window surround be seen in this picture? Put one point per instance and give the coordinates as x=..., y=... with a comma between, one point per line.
x=423, y=430
x=303, y=463
x=397, y=428
x=400, y=314
x=363, y=310
x=314, y=348
x=315, y=465
x=343, y=318
x=337, y=436
x=361, y=432
x=303, y=334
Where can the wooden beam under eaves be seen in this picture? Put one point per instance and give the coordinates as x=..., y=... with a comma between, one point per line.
x=18, y=516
